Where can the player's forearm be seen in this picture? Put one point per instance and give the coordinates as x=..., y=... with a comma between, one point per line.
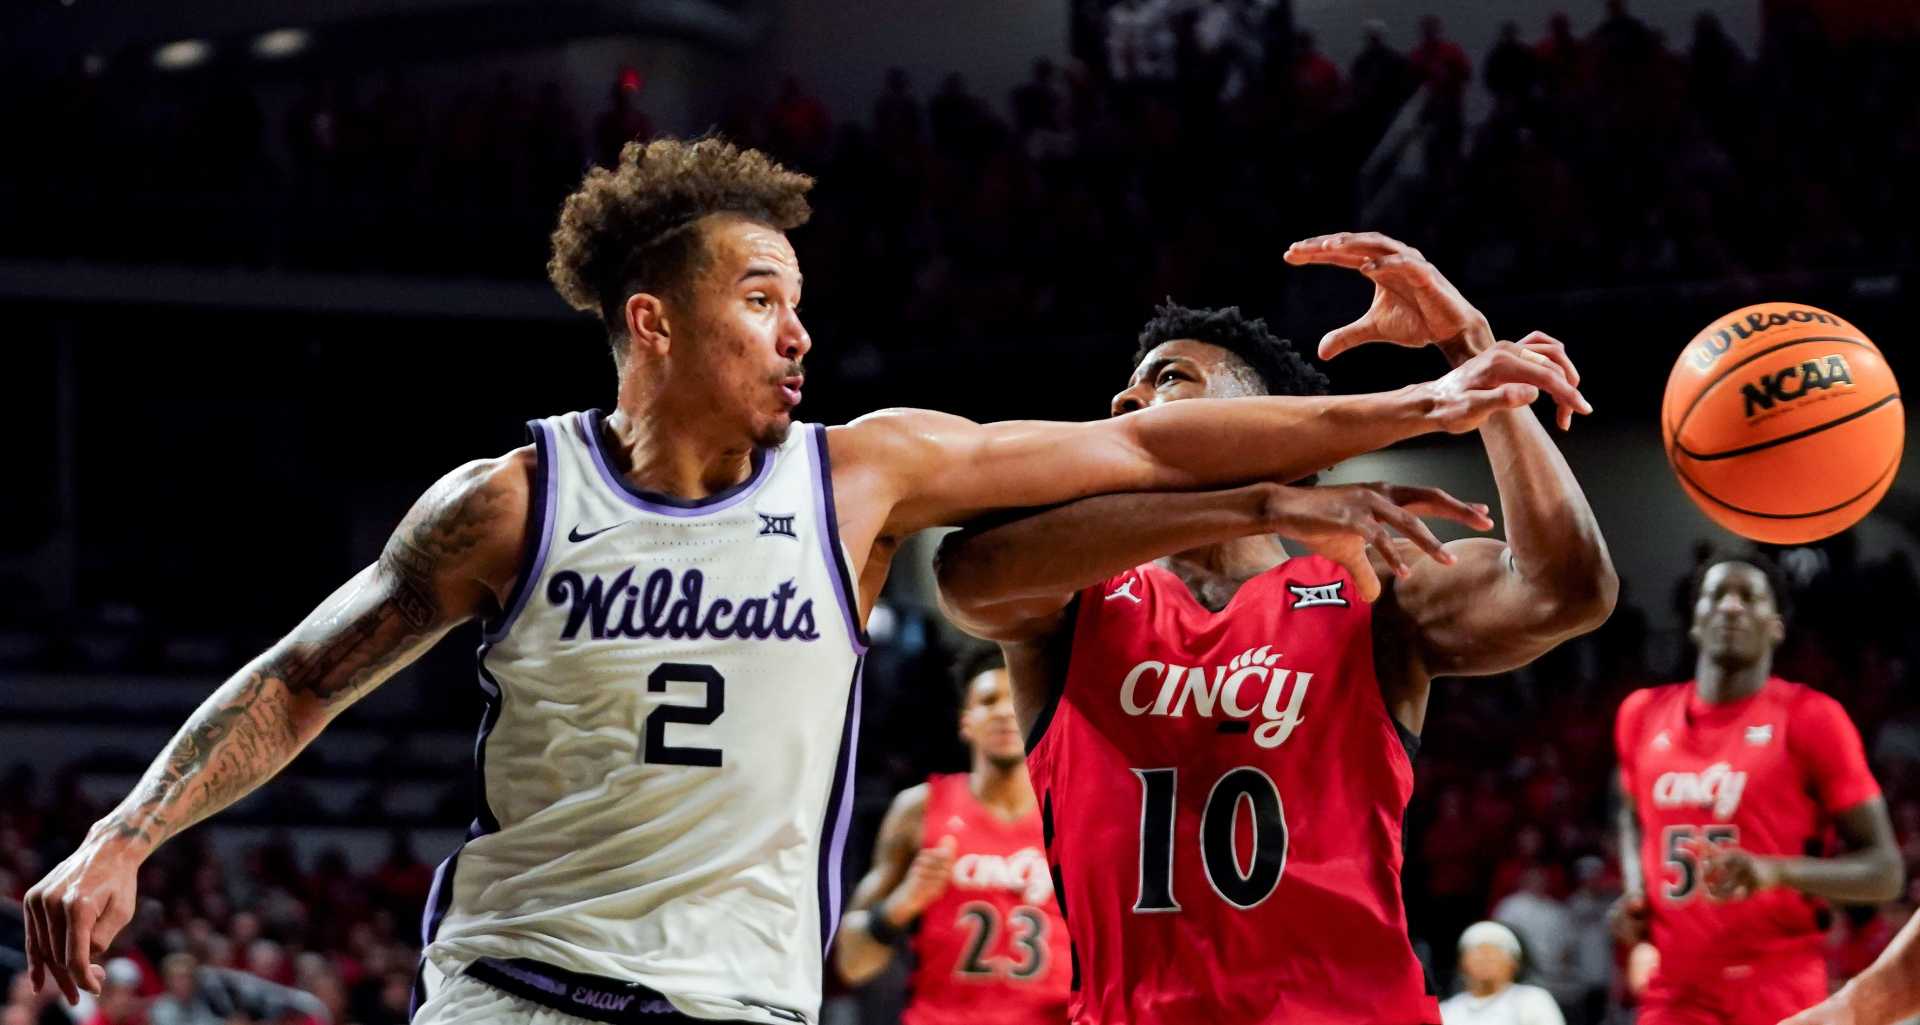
x=856, y=954
x=1862, y=877
x=1553, y=540
x=1216, y=443
x=1059, y=551
x=256, y=722
x=1889, y=990
x=239, y=738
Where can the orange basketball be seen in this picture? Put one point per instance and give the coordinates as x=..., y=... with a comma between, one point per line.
x=1783, y=423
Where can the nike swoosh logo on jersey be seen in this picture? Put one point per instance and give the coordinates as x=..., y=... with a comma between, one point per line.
x=575, y=535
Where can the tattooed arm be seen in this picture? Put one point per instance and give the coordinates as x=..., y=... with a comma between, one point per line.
x=453, y=558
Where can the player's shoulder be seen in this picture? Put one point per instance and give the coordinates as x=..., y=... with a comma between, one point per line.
x=1800, y=696
x=910, y=805
x=1638, y=704
x=1805, y=706
x=483, y=502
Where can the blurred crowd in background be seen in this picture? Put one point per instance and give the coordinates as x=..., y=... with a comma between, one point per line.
x=1565, y=156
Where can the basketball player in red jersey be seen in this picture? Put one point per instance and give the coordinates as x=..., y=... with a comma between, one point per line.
x=682, y=253
x=1730, y=784
x=1222, y=739
x=962, y=856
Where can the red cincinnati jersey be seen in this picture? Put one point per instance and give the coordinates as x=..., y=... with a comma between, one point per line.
x=992, y=950
x=1766, y=774
x=1223, y=794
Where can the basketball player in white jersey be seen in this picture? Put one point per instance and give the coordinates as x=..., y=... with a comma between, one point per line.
x=673, y=595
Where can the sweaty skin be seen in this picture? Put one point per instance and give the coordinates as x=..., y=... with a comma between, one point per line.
x=1483, y=606
x=704, y=379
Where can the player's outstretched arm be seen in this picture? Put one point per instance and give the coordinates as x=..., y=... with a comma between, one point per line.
x=1009, y=581
x=453, y=557
x=1887, y=992
x=1498, y=605
x=915, y=468
x=904, y=879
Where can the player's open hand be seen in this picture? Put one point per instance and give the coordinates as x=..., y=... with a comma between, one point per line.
x=1346, y=522
x=926, y=880
x=73, y=915
x=1508, y=375
x=1733, y=874
x=1628, y=919
x=1413, y=303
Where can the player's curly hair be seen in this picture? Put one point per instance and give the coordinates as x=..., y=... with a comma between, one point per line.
x=630, y=229
x=1281, y=369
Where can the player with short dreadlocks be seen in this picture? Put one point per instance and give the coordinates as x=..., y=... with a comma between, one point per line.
x=1174, y=664
x=673, y=595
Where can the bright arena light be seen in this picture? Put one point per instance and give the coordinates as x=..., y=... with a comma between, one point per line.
x=181, y=55
x=281, y=42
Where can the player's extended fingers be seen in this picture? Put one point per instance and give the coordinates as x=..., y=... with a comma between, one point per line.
x=1383, y=241
x=1380, y=539
x=1341, y=249
x=1437, y=503
x=1409, y=525
x=1340, y=339
x=36, y=930
x=1553, y=349
x=82, y=911
x=1506, y=396
x=53, y=915
x=1536, y=369
x=1568, y=397
x=1402, y=270
x=1361, y=569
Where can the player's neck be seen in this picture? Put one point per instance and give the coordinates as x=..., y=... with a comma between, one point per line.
x=1007, y=791
x=1214, y=573
x=1719, y=684
x=655, y=450
x=1485, y=987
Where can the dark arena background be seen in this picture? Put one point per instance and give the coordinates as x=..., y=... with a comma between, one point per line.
x=268, y=269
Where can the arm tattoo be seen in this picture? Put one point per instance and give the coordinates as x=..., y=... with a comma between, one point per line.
x=258, y=721
x=426, y=544
x=227, y=748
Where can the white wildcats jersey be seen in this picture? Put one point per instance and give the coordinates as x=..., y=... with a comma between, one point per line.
x=666, y=756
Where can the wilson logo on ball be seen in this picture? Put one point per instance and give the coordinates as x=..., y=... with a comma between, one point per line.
x=1794, y=382
x=1712, y=347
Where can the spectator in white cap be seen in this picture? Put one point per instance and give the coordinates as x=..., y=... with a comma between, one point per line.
x=1489, y=961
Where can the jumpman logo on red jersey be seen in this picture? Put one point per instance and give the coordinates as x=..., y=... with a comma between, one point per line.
x=1126, y=591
